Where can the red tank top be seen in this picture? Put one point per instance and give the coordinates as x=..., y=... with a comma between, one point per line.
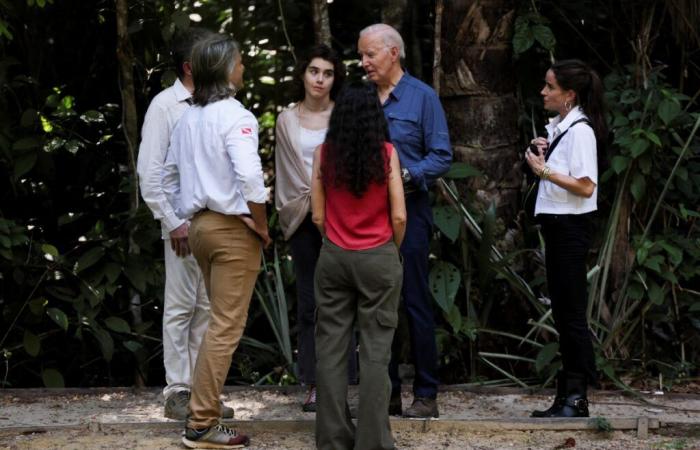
x=359, y=223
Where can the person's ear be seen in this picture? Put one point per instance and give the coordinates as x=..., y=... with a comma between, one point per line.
x=187, y=68
x=571, y=97
x=394, y=52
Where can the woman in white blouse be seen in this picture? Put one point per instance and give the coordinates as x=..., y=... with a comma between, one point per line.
x=567, y=164
x=299, y=130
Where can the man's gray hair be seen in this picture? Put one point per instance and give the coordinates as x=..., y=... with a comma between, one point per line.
x=213, y=60
x=389, y=35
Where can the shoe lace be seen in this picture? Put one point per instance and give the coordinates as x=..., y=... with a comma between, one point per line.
x=226, y=430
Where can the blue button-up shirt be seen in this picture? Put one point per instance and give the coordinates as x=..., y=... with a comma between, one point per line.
x=418, y=130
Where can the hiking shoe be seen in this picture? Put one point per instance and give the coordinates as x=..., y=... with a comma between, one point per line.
x=422, y=408
x=218, y=436
x=226, y=411
x=177, y=405
x=395, y=407
x=310, y=402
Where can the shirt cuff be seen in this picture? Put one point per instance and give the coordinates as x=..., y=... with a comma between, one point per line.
x=256, y=194
x=171, y=222
x=417, y=178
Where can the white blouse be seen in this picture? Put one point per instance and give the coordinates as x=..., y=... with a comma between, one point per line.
x=308, y=141
x=575, y=155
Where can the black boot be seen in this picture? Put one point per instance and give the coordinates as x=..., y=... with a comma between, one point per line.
x=575, y=404
x=558, y=400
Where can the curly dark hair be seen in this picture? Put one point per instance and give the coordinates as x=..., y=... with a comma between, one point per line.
x=353, y=154
x=326, y=53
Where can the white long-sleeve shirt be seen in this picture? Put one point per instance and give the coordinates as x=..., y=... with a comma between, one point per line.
x=165, y=110
x=213, y=161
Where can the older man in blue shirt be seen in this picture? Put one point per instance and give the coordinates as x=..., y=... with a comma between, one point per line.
x=418, y=130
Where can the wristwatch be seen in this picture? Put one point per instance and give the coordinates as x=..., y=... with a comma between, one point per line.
x=405, y=175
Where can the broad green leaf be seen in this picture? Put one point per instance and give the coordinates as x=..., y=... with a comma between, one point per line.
x=620, y=163
x=675, y=254
x=523, y=38
x=112, y=272
x=638, y=186
x=29, y=117
x=37, y=305
x=462, y=170
x=454, y=318
x=27, y=143
x=639, y=146
x=136, y=273
x=544, y=36
x=635, y=291
x=448, y=221
x=132, y=346
x=546, y=355
x=89, y=258
x=644, y=164
x=24, y=164
x=5, y=241
x=669, y=109
x=444, y=282
x=106, y=342
x=117, y=324
x=49, y=249
x=653, y=137
x=654, y=263
x=52, y=378
x=31, y=342
x=695, y=307
x=59, y=317
x=656, y=294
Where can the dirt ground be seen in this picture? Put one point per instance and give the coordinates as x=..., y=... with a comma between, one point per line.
x=132, y=419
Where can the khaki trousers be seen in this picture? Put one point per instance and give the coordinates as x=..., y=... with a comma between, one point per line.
x=228, y=252
x=360, y=286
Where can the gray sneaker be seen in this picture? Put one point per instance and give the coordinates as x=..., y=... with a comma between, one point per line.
x=177, y=405
x=218, y=436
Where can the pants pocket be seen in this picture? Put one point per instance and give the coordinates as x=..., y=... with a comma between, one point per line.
x=381, y=335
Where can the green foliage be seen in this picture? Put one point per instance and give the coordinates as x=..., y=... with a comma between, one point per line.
x=532, y=28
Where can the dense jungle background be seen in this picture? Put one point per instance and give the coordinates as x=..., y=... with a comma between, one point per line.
x=81, y=272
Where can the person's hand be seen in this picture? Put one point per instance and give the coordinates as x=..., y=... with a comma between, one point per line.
x=178, y=240
x=535, y=159
x=263, y=234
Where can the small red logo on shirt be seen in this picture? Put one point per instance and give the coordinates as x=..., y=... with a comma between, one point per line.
x=246, y=131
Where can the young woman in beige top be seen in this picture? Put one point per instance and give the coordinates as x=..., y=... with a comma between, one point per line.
x=300, y=129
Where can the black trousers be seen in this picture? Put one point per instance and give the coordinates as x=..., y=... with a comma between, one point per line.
x=305, y=244
x=567, y=240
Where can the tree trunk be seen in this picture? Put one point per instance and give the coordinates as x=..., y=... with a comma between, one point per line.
x=322, y=26
x=393, y=13
x=125, y=57
x=477, y=87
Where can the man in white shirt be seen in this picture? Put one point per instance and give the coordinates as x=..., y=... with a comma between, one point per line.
x=186, y=306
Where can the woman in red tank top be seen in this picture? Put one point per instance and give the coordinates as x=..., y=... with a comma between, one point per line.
x=358, y=205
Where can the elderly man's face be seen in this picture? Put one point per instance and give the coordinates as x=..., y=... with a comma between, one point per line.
x=378, y=60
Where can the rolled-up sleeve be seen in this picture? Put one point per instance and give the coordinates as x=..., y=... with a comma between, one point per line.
x=241, y=141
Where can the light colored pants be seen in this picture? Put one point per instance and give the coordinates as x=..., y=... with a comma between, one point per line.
x=185, y=319
x=229, y=253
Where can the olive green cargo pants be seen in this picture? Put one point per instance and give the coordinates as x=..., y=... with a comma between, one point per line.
x=362, y=286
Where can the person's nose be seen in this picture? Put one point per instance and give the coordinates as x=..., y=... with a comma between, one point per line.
x=365, y=61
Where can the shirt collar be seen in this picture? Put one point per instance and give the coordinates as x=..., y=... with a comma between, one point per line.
x=563, y=125
x=181, y=92
x=400, y=86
